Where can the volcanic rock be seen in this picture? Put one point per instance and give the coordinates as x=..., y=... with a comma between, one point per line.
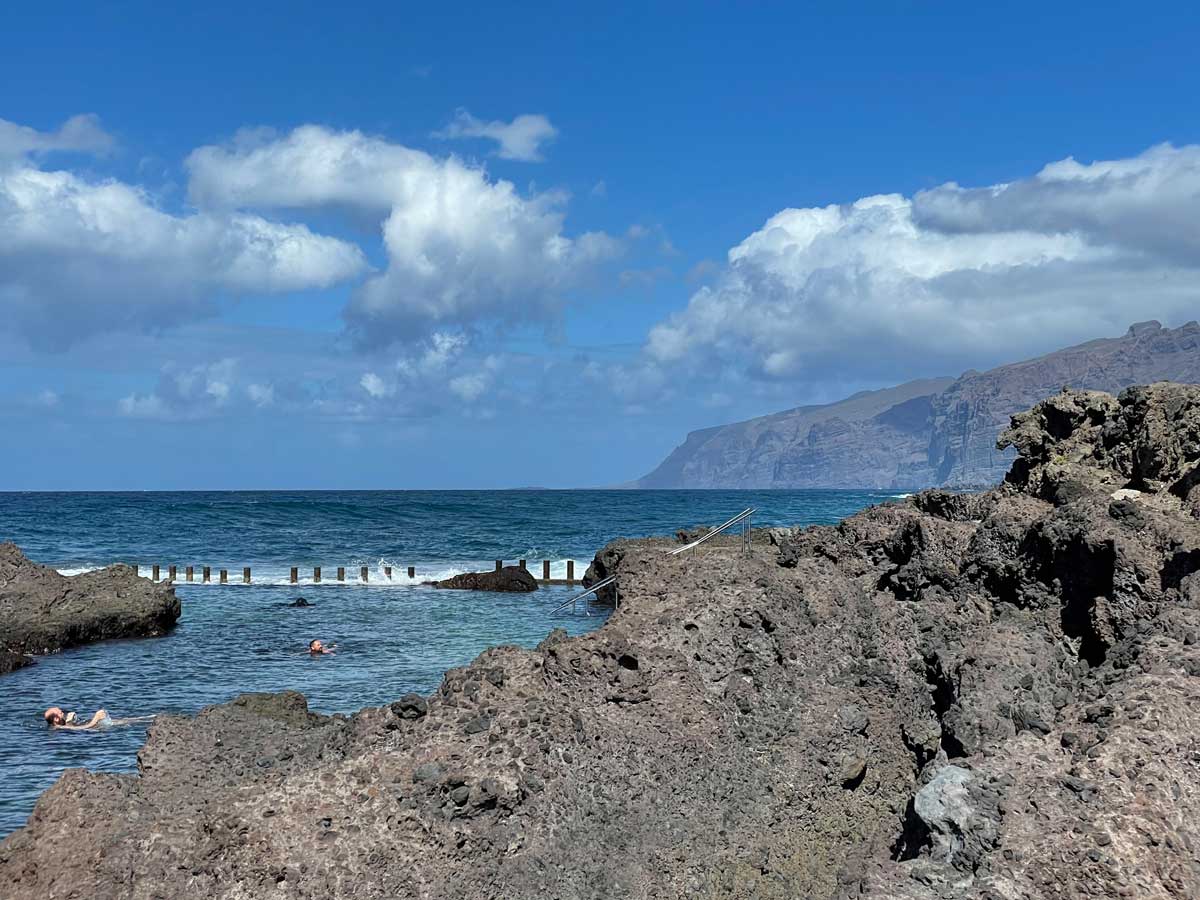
x=510, y=578
x=10, y=661
x=992, y=697
x=42, y=611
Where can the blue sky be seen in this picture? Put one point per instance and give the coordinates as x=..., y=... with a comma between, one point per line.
x=277, y=245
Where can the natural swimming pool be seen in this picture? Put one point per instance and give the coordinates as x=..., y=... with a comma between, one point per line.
x=239, y=638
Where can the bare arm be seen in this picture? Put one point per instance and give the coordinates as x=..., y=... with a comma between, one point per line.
x=92, y=724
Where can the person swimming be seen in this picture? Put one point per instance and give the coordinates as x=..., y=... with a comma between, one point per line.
x=68, y=721
x=316, y=648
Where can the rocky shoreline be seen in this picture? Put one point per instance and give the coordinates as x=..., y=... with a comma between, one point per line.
x=42, y=611
x=992, y=695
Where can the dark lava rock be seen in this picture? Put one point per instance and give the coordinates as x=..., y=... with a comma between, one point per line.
x=687, y=535
x=10, y=661
x=410, y=706
x=509, y=578
x=953, y=698
x=42, y=611
x=300, y=603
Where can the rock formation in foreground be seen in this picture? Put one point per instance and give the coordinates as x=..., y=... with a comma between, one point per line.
x=508, y=578
x=959, y=696
x=936, y=432
x=42, y=611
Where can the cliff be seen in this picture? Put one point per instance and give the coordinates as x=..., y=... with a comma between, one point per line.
x=936, y=432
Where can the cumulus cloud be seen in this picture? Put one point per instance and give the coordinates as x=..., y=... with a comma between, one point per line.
x=79, y=256
x=186, y=393
x=461, y=248
x=893, y=286
x=375, y=386
x=521, y=139
x=441, y=373
x=80, y=134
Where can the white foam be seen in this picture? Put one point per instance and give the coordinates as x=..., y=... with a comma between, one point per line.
x=79, y=570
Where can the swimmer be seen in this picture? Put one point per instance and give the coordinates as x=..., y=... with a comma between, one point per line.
x=316, y=648
x=68, y=721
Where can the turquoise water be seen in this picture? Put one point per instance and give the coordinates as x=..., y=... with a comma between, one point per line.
x=392, y=637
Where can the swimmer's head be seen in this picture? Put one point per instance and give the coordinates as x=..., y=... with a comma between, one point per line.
x=54, y=716
x=315, y=646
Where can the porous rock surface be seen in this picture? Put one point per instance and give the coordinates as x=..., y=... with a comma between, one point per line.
x=509, y=578
x=958, y=696
x=42, y=611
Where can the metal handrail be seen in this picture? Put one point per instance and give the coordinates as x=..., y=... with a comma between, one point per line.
x=743, y=517
x=740, y=517
x=595, y=587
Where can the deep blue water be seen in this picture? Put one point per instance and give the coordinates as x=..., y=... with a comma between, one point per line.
x=392, y=637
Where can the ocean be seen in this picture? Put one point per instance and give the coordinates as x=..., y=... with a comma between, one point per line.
x=393, y=636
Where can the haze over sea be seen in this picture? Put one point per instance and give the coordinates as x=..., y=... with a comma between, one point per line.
x=393, y=637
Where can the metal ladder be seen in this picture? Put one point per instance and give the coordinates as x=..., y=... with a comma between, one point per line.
x=742, y=518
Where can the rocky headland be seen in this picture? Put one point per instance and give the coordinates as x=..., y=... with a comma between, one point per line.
x=935, y=432
x=989, y=696
x=42, y=611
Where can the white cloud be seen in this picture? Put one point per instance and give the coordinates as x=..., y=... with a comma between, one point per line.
x=891, y=286
x=442, y=349
x=375, y=386
x=521, y=139
x=187, y=393
x=80, y=256
x=81, y=134
x=461, y=248
x=48, y=398
x=261, y=394
x=427, y=380
x=468, y=387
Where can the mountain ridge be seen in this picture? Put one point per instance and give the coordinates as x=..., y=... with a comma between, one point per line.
x=931, y=432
